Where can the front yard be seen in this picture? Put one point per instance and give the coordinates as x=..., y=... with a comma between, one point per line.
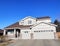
x=4, y=41
x=30, y=42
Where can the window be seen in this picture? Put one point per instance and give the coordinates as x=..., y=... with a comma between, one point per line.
x=29, y=21
x=36, y=31
x=22, y=22
x=44, y=31
x=51, y=30
x=11, y=31
x=25, y=31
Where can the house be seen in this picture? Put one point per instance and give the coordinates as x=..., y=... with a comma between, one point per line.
x=32, y=28
x=1, y=32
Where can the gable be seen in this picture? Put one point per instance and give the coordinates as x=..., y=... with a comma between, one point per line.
x=29, y=17
x=25, y=21
x=43, y=23
x=44, y=26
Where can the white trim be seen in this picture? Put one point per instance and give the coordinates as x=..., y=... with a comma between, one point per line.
x=4, y=32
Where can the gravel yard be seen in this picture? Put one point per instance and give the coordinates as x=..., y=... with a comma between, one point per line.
x=35, y=43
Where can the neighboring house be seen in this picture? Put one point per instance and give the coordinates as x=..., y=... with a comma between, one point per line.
x=1, y=32
x=32, y=28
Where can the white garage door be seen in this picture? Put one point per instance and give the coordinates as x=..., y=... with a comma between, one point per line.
x=26, y=35
x=43, y=35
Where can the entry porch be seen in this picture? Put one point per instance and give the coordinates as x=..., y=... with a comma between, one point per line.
x=13, y=33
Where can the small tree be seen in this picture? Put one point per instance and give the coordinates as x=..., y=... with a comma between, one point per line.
x=56, y=22
x=58, y=25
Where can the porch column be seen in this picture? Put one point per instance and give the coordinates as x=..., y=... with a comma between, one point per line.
x=4, y=32
x=14, y=32
x=20, y=34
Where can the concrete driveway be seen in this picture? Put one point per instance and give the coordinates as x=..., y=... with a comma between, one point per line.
x=35, y=43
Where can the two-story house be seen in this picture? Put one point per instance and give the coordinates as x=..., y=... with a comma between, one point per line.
x=32, y=28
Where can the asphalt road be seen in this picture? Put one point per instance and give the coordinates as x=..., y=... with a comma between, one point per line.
x=35, y=43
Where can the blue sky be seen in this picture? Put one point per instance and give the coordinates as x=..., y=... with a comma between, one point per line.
x=12, y=11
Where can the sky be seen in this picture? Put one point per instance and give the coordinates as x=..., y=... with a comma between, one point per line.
x=12, y=11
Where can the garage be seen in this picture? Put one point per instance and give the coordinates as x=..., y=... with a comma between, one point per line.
x=43, y=31
x=43, y=35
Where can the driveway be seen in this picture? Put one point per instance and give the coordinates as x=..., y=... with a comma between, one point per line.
x=35, y=43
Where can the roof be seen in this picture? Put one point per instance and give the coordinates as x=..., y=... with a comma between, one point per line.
x=15, y=25
x=1, y=31
x=43, y=17
x=27, y=18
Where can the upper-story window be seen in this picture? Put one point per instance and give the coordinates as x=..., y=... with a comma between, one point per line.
x=29, y=21
x=25, y=31
x=22, y=22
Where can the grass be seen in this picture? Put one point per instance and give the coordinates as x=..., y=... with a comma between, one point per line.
x=3, y=44
x=4, y=41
